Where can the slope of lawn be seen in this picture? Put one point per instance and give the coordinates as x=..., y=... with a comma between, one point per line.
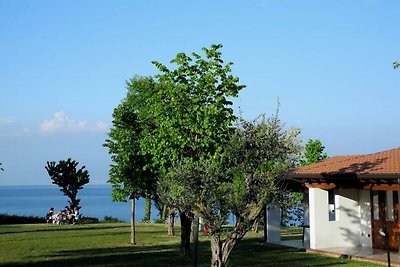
x=108, y=245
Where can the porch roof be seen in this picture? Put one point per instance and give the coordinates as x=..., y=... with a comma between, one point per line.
x=354, y=170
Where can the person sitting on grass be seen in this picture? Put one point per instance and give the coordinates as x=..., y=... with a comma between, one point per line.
x=49, y=215
x=75, y=216
x=58, y=218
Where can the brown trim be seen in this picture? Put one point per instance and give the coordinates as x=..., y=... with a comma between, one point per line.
x=321, y=185
x=383, y=187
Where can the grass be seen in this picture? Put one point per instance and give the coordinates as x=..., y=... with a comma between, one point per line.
x=108, y=245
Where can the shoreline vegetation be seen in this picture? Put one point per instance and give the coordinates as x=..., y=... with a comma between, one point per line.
x=108, y=244
x=7, y=219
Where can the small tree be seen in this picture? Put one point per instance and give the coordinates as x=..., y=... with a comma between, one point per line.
x=66, y=175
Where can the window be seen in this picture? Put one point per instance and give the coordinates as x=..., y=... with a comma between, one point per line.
x=375, y=203
x=389, y=206
x=331, y=202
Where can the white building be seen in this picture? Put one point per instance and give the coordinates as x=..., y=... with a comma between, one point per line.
x=350, y=200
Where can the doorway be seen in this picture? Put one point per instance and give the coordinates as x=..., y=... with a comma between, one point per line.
x=385, y=216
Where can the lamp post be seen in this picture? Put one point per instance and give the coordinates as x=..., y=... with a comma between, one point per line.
x=386, y=235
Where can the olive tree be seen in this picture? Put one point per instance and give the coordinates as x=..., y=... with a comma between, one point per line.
x=241, y=180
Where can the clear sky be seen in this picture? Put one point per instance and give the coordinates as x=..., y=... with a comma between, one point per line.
x=64, y=65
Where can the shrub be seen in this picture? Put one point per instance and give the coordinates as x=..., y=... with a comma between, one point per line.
x=16, y=219
x=87, y=220
x=110, y=219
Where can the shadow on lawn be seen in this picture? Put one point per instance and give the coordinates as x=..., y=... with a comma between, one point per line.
x=161, y=255
x=249, y=252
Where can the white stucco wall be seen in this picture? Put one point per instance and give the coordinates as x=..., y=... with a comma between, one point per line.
x=346, y=230
x=273, y=224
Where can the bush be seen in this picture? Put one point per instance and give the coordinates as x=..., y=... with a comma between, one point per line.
x=87, y=220
x=159, y=221
x=16, y=219
x=110, y=219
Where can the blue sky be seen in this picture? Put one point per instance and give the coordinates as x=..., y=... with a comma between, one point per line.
x=64, y=65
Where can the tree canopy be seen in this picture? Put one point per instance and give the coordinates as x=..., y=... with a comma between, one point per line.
x=242, y=181
x=313, y=152
x=66, y=175
x=131, y=173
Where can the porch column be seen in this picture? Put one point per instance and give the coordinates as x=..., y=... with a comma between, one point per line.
x=306, y=221
x=318, y=205
x=273, y=222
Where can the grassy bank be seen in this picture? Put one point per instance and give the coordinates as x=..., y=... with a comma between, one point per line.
x=108, y=245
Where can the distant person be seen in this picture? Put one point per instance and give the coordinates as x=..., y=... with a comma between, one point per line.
x=75, y=216
x=66, y=214
x=49, y=215
x=58, y=217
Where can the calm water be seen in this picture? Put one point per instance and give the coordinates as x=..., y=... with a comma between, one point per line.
x=95, y=202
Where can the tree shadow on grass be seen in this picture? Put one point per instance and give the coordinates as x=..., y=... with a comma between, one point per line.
x=161, y=255
x=249, y=252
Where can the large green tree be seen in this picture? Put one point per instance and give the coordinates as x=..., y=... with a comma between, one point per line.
x=241, y=180
x=66, y=175
x=193, y=116
x=130, y=173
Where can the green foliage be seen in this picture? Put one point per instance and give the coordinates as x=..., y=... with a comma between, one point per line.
x=130, y=174
x=147, y=209
x=191, y=107
x=396, y=65
x=313, y=152
x=88, y=220
x=110, y=219
x=17, y=219
x=66, y=175
x=244, y=179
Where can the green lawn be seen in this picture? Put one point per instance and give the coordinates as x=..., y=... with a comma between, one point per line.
x=108, y=245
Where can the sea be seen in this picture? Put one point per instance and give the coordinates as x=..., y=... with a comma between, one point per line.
x=96, y=201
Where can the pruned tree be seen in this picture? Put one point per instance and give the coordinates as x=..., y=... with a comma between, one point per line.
x=66, y=175
x=241, y=180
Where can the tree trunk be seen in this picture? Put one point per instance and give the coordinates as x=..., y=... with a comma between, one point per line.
x=163, y=213
x=147, y=209
x=133, y=231
x=195, y=239
x=220, y=250
x=171, y=222
x=185, y=234
x=255, y=226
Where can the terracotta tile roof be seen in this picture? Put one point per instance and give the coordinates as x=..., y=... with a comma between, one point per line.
x=377, y=164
